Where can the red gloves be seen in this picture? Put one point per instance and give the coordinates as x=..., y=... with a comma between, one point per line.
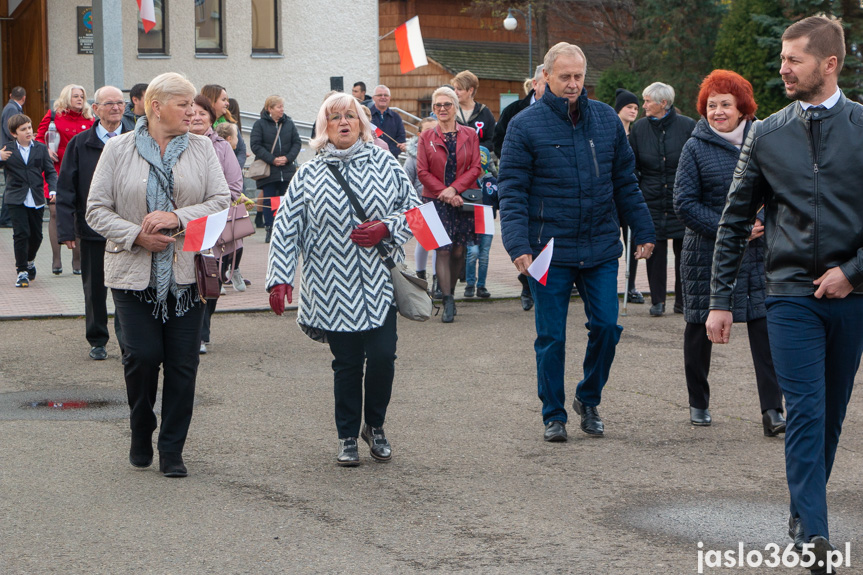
x=368, y=234
x=277, y=297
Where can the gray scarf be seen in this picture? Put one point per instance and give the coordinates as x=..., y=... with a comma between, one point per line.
x=344, y=155
x=160, y=192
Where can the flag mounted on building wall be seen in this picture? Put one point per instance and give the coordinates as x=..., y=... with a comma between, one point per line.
x=409, y=41
x=148, y=14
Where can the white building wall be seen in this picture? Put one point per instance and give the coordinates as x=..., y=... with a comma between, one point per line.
x=318, y=39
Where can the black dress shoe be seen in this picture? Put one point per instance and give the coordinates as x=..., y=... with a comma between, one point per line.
x=635, y=296
x=774, y=423
x=141, y=451
x=482, y=292
x=555, y=431
x=700, y=417
x=526, y=301
x=171, y=464
x=591, y=423
x=77, y=272
x=98, y=353
x=821, y=547
x=795, y=532
x=657, y=309
x=349, y=455
x=378, y=443
x=57, y=271
x=469, y=291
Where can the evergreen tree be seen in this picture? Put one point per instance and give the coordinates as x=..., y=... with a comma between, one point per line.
x=617, y=76
x=674, y=43
x=744, y=46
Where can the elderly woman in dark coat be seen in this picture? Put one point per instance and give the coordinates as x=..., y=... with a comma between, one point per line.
x=703, y=177
x=657, y=140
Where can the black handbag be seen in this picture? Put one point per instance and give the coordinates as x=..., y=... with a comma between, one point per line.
x=410, y=292
x=472, y=196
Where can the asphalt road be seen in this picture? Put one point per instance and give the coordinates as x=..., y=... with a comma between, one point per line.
x=472, y=487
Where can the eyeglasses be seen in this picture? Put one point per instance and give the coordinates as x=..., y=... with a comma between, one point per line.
x=444, y=106
x=111, y=104
x=349, y=116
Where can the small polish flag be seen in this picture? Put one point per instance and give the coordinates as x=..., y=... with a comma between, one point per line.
x=201, y=234
x=409, y=41
x=378, y=132
x=538, y=270
x=427, y=227
x=148, y=14
x=275, y=204
x=483, y=217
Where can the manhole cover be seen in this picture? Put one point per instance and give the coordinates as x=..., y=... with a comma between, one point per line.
x=66, y=404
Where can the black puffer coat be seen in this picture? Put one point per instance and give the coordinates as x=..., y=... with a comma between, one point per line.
x=289, y=145
x=703, y=178
x=657, y=145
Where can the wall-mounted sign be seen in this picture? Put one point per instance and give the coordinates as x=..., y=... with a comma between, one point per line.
x=85, y=29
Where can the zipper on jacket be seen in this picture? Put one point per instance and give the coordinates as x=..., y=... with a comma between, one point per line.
x=815, y=147
x=593, y=151
x=541, y=222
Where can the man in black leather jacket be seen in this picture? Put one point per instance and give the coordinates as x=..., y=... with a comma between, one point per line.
x=804, y=164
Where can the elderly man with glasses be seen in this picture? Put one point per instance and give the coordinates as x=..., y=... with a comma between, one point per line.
x=388, y=120
x=73, y=187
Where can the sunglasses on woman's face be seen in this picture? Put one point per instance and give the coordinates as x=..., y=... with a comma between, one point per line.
x=444, y=106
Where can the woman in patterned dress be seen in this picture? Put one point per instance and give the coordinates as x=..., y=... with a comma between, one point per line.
x=448, y=163
x=347, y=297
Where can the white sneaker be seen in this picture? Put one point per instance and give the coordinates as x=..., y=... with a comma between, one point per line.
x=203, y=349
x=237, y=281
x=222, y=290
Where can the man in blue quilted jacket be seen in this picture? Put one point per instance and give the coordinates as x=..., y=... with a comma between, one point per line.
x=565, y=168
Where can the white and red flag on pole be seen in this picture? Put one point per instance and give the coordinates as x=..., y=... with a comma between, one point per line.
x=409, y=41
x=201, y=234
x=538, y=270
x=427, y=227
x=483, y=217
x=275, y=204
x=378, y=132
x=148, y=14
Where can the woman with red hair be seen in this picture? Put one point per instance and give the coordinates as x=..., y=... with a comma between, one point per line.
x=704, y=174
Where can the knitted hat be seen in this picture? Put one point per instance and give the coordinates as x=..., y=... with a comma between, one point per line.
x=624, y=98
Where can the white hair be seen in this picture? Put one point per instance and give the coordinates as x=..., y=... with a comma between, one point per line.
x=659, y=92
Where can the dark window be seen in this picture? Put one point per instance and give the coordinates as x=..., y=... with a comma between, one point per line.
x=425, y=108
x=265, y=26
x=153, y=42
x=208, y=27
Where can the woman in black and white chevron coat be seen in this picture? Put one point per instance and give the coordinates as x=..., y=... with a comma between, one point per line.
x=347, y=292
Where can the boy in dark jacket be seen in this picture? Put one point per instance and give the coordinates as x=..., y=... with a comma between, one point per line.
x=26, y=162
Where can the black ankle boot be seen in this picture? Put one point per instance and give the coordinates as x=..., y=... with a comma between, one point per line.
x=436, y=293
x=448, y=309
x=259, y=219
x=171, y=464
x=421, y=274
x=269, y=234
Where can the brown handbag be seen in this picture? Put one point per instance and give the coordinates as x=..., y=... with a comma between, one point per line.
x=259, y=169
x=207, y=276
x=238, y=226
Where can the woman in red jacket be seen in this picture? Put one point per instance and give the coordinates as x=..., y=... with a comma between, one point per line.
x=71, y=115
x=448, y=163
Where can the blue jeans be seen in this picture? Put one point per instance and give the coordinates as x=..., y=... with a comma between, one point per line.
x=816, y=346
x=598, y=289
x=478, y=249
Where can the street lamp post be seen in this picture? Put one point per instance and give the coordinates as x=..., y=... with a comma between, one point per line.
x=510, y=23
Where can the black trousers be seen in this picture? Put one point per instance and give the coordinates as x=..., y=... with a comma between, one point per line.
x=26, y=234
x=657, y=272
x=272, y=190
x=696, y=361
x=149, y=346
x=96, y=294
x=377, y=349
